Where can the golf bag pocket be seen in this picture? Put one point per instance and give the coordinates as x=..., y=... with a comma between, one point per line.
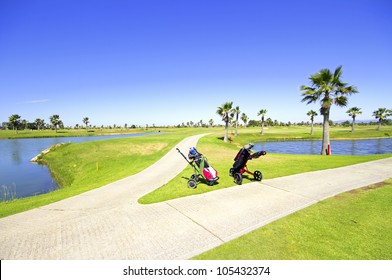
x=209, y=173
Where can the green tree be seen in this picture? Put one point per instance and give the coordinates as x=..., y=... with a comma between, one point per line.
x=86, y=121
x=328, y=88
x=224, y=111
x=312, y=114
x=381, y=114
x=211, y=122
x=55, y=120
x=237, y=112
x=244, y=118
x=262, y=113
x=40, y=123
x=353, y=112
x=15, y=121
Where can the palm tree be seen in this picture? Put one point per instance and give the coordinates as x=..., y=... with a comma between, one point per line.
x=55, y=120
x=236, y=111
x=328, y=88
x=381, y=114
x=312, y=114
x=86, y=121
x=224, y=111
x=244, y=118
x=211, y=122
x=15, y=121
x=39, y=123
x=353, y=112
x=262, y=113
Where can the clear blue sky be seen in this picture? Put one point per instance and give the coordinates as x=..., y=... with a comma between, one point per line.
x=167, y=62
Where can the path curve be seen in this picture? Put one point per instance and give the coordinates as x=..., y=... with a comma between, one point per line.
x=108, y=223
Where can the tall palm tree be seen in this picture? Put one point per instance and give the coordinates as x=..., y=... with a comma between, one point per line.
x=224, y=111
x=312, y=114
x=328, y=88
x=262, y=113
x=353, y=112
x=237, y=112
x=55, y=120
x=381, y=114
x=244, y=118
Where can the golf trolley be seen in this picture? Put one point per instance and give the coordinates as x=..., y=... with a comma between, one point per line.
x=201, y=169
x=240, y=165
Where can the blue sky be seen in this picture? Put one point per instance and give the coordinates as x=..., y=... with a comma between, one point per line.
x=167, y=62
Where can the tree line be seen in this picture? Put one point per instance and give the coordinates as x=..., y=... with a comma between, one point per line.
x=15, y=123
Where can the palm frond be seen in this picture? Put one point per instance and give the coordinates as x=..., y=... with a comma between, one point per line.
x=341, y=101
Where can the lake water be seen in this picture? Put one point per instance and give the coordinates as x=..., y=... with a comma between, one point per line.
x=338, y=147
x=21, y=178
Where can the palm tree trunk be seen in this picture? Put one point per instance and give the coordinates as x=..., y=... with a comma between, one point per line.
x=379, y=124
x=352, y=125
x=311, y=129
x=236, y=126
x=226, y=131
x=325, y=143
x=262, y=126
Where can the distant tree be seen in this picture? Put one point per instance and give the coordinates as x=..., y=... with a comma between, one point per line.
x=328, y=88
x=15, y=121
x=55, y=120
x=262, y=113
x=86, y=121
x=312, y=114
x=244, y=118
x=224, y=111
x=353, y=112
x=211, y=122
x=236, y=112
x=381, y=114
x=269, y=122
x=40, y=123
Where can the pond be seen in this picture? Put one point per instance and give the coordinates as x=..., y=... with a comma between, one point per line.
x=21, y=178
x=338, y=147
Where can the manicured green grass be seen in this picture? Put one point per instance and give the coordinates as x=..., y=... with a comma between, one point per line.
x=27, y=133
x=220, y=156
x=351, y=226
x=79, y=167
x=247, y=135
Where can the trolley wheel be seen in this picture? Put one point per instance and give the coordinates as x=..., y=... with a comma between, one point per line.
x=258, y=175
x=210, y=183
x=238, y=178
x=192, y=184
x=195, y=177
x=231, y=172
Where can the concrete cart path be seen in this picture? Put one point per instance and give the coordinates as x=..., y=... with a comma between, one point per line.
x=108, y=223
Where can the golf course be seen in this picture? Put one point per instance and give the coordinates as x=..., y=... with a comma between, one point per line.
x=347, y=221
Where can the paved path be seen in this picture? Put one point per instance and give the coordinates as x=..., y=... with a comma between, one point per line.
x=108, y=223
